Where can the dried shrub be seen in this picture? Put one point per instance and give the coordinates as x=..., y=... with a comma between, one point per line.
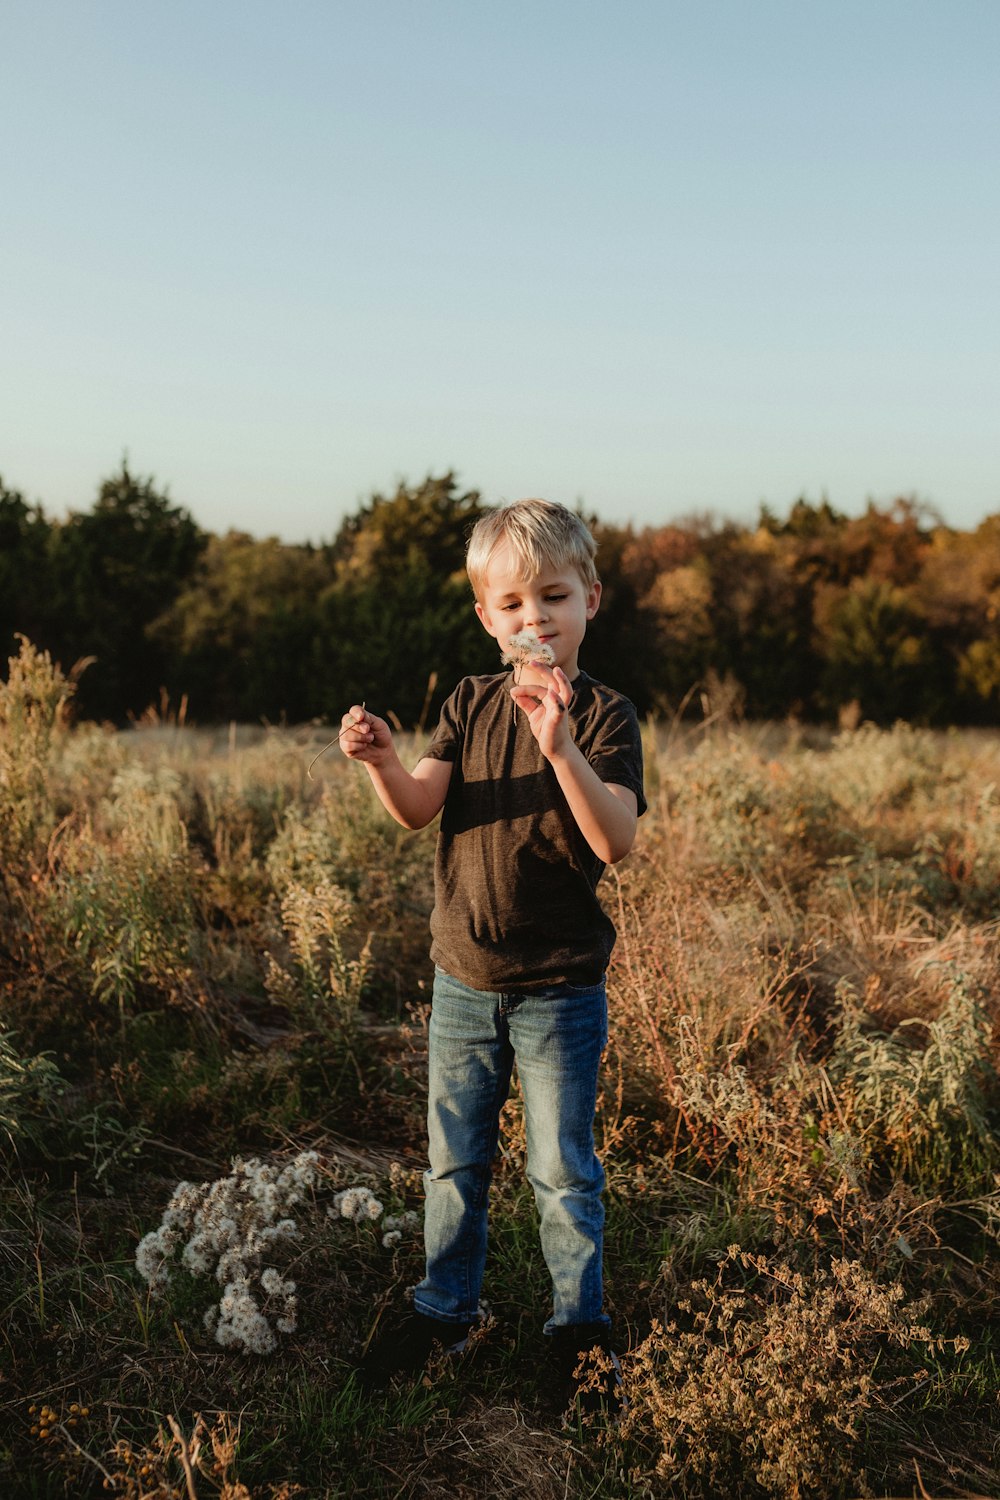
x=346, y=840
x=317, y=982
x=176, y=1465
x=762, y=1383
x=32, y=703
x=871, y=770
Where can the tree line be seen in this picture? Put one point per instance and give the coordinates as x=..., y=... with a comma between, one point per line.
x=891, y=614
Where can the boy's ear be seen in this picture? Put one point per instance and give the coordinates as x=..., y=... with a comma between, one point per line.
x=593, y=598
x=484, y=620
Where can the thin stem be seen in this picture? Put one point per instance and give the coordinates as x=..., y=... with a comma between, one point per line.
x=336, y=740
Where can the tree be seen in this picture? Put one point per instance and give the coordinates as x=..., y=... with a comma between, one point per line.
x=876, y=651
x=116, y=569
x=427, y=525
x=890, y=545
x=399, y=613
x=805, y=521
x=622, y=642
x=762, y=619
x=25, y=572
x=959, y=593
x=240, y=636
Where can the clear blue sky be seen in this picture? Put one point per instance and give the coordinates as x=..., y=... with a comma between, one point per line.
x=657, y=257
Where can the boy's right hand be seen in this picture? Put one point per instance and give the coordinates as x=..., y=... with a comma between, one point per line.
x=365, y=737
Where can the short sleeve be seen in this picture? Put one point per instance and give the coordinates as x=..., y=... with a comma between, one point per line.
x=616, y=751
x=448, y=735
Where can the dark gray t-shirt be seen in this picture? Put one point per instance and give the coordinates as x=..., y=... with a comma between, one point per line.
x=514, y=878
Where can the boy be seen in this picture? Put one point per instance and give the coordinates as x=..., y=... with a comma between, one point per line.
x=539, y=776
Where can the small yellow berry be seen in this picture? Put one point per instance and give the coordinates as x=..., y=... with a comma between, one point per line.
x=74, y=1407
x=32, y=1410
x=44, y=1432
x=34, y=1430
x=85, y=1411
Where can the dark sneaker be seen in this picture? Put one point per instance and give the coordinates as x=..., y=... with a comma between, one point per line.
x=406, y=1347
x=589, y=1371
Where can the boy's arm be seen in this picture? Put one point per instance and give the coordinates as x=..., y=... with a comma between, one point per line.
x=413, y=798
x=605, y=812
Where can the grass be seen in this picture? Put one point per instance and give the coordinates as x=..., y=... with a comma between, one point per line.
x=204, y=954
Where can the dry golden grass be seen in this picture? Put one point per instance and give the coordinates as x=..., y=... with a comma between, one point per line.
x=203, y=952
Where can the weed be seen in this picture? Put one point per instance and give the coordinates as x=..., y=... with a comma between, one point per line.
x=29, y=1087
x=321, y=987
x=771, y=1378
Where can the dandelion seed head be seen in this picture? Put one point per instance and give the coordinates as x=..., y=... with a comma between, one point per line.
x=407, y=1220
x=357, y=1203
x=524, y=646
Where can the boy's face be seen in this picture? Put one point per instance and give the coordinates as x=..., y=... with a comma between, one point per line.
x=555, y=605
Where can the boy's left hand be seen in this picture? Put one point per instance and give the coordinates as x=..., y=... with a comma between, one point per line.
x=545, y=705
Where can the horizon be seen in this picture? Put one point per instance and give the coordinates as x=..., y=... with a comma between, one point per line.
x=749, y=520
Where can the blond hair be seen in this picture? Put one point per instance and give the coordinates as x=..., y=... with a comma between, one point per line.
x=539, y=533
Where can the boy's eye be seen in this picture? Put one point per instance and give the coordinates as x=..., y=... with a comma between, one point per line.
x=549, y=599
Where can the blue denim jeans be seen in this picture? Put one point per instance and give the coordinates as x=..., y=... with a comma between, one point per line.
x=556, y=1036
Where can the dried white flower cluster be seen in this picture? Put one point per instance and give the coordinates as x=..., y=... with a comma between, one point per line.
x=229, y=1226
x=395, y=1224
x=524, y=647
x=357, y=1203
x=361, y=1205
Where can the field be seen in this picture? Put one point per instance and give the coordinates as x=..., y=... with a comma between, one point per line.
x=209, y=957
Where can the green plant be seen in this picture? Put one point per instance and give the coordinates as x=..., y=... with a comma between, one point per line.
x=107, y=1144
x=28, y=1087
x=124, y=901
x=927, y=1108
